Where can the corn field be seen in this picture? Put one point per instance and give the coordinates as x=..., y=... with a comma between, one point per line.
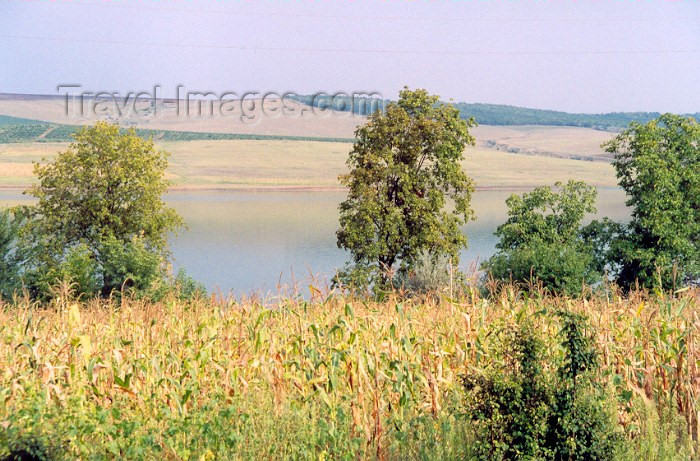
x=326, y=378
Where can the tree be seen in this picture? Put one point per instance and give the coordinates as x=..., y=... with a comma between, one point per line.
x=99, y=199
x=542, y=239
x=658, y=165
x=404, y=167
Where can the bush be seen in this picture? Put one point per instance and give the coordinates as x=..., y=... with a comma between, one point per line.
x=9, y=261
x=429, y=275
x=542, y=239
x=510, y=404
x=130, y=267
x=81, y=270
x=522, y=410
x=27, y=446
x=562, y=269
x=187, y=288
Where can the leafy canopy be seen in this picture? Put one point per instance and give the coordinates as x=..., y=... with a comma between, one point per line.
x=98, y=200
x=542, y=238
x=404, y=167
x=658, y=165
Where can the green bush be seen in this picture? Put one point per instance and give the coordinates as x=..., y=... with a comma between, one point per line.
x=543, y=239
x=81, y=270
x=510, y=404
x=582, y=420
x=187, y=288
x=9, y=261
x=562, y=269
x=29, y=447
x=130, y=267
x=530, y=404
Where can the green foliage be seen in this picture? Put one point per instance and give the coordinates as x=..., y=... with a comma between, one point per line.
x=187, y=288
x=9, y=261
x=561, y=269
x=521, y=410
x=100, y=221
x=498, y=114
x=542, y=239
x=510, y=403
x=80, y=269
x=658, y=165
x=492, y=114
x=581, y=424
x=28, y=447
x=129, y=267
x=662, y=435
x=404, y=166
x=600, y=235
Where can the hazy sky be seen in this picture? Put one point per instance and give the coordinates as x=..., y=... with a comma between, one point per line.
x=573, y=55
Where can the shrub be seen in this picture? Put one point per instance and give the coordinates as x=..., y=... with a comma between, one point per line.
x=542, y=239
x=9, y=261
x=187, y=288
x=562, y=269
x=27, y=446
x=429, y=275
x=130, y=267
x=81, y=270
x=510, y=403
x=581, y=422
x=523, y=410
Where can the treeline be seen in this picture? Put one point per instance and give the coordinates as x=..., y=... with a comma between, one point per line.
x=405, y=166
x=16, y=130
x=498, y=114
x=491, y=114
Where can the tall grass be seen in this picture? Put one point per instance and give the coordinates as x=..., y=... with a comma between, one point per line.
x=329, y=378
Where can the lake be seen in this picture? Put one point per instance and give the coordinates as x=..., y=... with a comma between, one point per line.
x=251, y=241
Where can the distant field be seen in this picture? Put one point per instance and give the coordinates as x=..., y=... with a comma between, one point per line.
x=300, y=120
x=552, y=141
x=224, y=152
x=221, y=121
x=247, y=163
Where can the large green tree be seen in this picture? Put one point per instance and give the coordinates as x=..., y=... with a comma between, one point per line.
x=543, y=239
x=407, y=191
x=658, y=165
x=100, y=198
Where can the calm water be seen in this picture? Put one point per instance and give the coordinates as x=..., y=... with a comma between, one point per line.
x=244, y=241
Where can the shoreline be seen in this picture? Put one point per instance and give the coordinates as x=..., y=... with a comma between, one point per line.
x=290, y=188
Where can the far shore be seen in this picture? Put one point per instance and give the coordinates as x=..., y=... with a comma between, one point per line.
x=280, y=188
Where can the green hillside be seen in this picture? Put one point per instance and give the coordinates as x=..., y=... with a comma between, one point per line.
x=496, y=114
